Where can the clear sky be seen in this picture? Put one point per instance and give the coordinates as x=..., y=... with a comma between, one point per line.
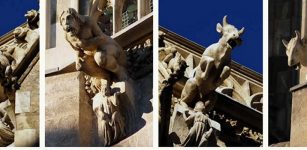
x=196, y=20
x=12, y=13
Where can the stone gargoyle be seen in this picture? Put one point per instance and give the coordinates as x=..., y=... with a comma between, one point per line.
x=213, y=68
x=84, y=35
x=296, y=51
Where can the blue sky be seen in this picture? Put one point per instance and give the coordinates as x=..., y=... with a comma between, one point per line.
x=197, y=19
x=12, y=13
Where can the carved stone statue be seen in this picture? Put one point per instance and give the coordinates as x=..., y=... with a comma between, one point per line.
x=85, y=36
x=6, y=126
x=201, y=130
x=296, y=51
x=111, y=124
x=5, y=66
x=32, y=19
x=214, y=66
x=104, y=127
x=174, y=63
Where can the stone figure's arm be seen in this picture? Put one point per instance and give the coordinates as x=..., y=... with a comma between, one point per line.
x=208, y=133
x=187, y=119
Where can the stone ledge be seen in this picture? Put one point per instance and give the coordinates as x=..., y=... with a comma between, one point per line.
x=298, y=87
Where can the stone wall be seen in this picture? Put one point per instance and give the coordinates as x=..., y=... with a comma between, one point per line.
x=27, y=116
x=298, y=120
x=68, y=112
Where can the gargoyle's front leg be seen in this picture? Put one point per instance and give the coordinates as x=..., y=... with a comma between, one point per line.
x=225, y=74
x=206, y=63
x=79, y=59
x=189, y=92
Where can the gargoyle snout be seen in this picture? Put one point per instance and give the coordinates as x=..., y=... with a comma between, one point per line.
x=235, y=36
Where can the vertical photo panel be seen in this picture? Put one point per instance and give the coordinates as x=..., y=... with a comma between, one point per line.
x=99, y=73
x=287, y=73
x=19, y=73
x=210, y=73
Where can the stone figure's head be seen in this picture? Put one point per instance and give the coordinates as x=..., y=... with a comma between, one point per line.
x=31, y=15
x=200, y=106
x=292, y=49
x=32, y=18
x=230, y=33
x=70, y=20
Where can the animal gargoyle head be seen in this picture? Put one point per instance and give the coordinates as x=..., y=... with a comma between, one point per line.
x=70, y=20
x=229, y=33
x=32, y=18
x=293, y=48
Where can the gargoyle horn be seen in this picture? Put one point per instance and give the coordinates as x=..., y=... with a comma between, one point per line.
x=297, y=34
x=285, y=42
x=241, y=31
x=225, y=21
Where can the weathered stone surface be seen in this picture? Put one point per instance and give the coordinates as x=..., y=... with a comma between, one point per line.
x=27, y=120
x=142, y=138
x=32, y=137
x=281, y=144
x=303, y=74
x=68, y=113
x=299, y=117
x=22, y=101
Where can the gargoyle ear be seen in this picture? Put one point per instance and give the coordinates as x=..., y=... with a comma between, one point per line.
x=241, y=31
x=61, y=17
x=285, y=43
x=297, y=34
x=219, y=28
x=287, y=52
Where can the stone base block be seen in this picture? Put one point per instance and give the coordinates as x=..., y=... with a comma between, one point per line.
x=31, y=140
x=68, y=112
x=299, y=116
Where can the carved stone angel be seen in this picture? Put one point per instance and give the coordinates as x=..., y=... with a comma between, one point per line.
x=201, y=130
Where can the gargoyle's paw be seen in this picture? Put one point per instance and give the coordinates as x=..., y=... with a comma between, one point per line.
x=78, y=66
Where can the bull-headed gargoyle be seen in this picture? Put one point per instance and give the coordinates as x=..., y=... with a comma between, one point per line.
x=213, y=68
x=296, y=51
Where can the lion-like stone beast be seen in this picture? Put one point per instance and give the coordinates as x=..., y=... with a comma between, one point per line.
x=85, y=36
